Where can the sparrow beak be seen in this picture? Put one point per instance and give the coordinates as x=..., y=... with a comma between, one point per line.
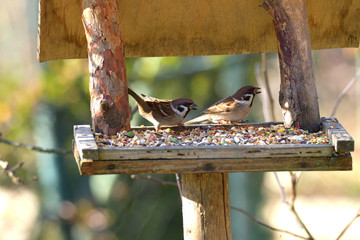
x=257, y=91
x=193, y=106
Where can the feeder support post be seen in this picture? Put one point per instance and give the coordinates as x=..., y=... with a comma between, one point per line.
x=298, y=96
x=206, y=206
x=109, y=103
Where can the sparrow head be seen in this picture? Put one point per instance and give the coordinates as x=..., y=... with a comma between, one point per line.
x=243, y=92
x=183, y=105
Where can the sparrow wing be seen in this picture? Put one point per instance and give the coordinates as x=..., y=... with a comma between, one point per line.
x=227, y=104
x=153, y=99
x=161, y=107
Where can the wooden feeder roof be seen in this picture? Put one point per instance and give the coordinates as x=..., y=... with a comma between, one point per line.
x=189, y=28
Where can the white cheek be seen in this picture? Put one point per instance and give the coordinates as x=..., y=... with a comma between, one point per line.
x=182, y=114
x=245, y=103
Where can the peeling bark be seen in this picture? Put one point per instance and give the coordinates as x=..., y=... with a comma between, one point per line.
x=109, y=103
x=297, y=96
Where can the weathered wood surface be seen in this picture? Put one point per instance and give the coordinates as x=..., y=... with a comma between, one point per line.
x=297, y=96
x=188, y=28
x=214, y=152
x=162, y=166
x=85, y=142
x=202, y=159
x=340, y=138
x=109, y=103
x=206, y=206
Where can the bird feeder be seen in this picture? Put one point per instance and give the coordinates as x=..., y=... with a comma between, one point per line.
x=115, y=29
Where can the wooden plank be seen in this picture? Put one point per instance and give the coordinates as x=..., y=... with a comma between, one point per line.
x=215, y=152
x=166, y=160
x=77, y=156
x=340, y=138
x=206, y=206
x=189, y=28
x=85, y=143
x=343, y=162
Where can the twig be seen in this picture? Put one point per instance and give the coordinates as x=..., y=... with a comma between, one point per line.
x=35, y=148
x=178, y=181
x=267, y=100
x=282, y=190
x=349, y=224
x=344, y=92
x=264, y=97
x=267, y=85
x=265, y=224
x=10, y=172
x=162, y=182
x=294, y=180
x=151, y=178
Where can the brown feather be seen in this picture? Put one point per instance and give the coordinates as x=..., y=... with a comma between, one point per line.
x=227, y=104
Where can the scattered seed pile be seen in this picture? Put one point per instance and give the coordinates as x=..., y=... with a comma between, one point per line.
x=237, y=135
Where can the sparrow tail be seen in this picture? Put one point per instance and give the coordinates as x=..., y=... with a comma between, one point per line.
x=137, y=98
x=201, y=118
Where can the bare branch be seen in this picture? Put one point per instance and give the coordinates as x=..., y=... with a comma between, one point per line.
x=267, y=99
x=282, y=189
x=264, y=94
x=265, y=224
x=267, y=85
x=178, y=181
x=294, y=180
x=349, y=224
x=10, y=172
x=35, y=148
x=151, y=178
x=162, y=182
x=344, y=92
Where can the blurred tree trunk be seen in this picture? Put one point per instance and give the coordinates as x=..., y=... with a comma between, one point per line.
x=53, y=177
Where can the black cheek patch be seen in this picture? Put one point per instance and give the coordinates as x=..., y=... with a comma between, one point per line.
x=246, y=98
x=180, y=108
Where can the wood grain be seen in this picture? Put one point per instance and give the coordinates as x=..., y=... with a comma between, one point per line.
x=189, y=28
x=340, y=138
x=206, y=206
x=297, y=96
x=166, y=160
x=215, y=152
x=163, y=166
x=85, y=142
x=109, y=103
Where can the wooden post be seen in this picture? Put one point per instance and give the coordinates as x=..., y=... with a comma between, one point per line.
x=298, y=96
x=109, y=103
x=206, y=206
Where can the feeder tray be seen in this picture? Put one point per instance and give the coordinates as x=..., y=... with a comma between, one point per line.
x=93, y=159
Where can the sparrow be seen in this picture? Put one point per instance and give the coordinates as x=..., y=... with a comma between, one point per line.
x=231, y=109
x=163, y=111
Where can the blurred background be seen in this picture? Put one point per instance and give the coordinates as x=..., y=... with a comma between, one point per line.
x=40, y=103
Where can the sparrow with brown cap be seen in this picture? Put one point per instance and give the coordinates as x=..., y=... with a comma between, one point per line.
x=231, y=109
x=162, y=112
